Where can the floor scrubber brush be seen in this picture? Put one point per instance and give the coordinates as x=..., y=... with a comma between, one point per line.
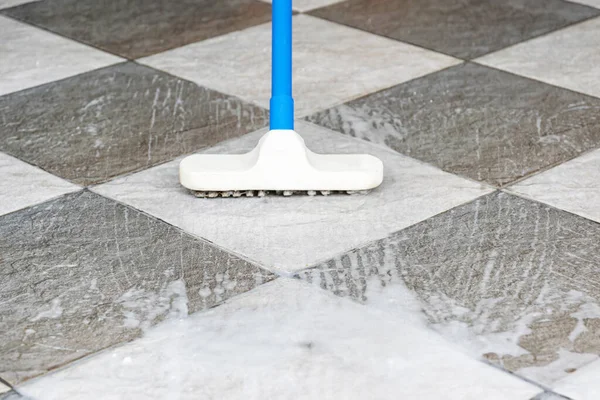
x=280, y=163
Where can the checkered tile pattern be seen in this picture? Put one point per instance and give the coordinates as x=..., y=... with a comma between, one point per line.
x=486, y=115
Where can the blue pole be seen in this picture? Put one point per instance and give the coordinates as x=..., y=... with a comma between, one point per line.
x=282, y=103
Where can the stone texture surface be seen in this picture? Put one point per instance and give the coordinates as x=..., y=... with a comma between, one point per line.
x=513, y=281
x=31, y=57
x=461, y=28
x=82, y=273
x=550, y=396
x=137, y=28
x=307, y=5
x=474, y=121
x=332, y=63
x=117, y=120
x=284, y=341
x=22, y=185
x=573, y=186
x=568, y=58
x=291, y=233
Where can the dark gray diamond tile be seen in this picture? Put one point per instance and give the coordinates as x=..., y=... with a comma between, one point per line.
x=513, y=281
x=82, y=273
x=119, y=119
x=138, y=28
x=461, y=28
x=474, y=121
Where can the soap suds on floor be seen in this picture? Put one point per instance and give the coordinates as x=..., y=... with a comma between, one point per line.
x=283, y=340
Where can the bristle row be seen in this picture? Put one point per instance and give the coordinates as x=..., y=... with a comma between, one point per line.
x=263, y=193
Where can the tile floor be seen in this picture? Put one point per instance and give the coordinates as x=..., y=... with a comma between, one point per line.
x=470, y=273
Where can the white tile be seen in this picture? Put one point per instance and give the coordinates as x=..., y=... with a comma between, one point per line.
x=573, y=186
x=583, y=384
x=3, y=388
x=307, y=5
x=12, y=3
x=23, y=185
x=284, y=340
x=290, y=233
x=332, y=63
x=568, y=58
x=31, y=57
x=591, y=3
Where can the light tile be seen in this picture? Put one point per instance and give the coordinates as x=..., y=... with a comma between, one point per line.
x=512, y=281
x=3, y=388
x=549, y=396
x=31, y=57
x=82, y=273
x=23, y=185
x=332, y=63
x=284, y=340
x=307, y=5
x=573, y=186
x=591, y=3
x=568, y=58
x=291, y=233
x=583, y=384
x=12, y=3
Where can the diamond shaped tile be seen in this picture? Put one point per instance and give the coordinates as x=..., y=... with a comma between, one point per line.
x=512, y=281
x=573, y=186
x=332, y=63
x=23, y=185
x=290, y=233
x=117, y=120
x=32, y=57
x=568, y=58
x=285, y=341
x=461, y=28
x=82, y=273
x=137, y=28
x=474, y=121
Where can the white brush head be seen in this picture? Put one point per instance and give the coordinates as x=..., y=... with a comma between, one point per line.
x=281, y=161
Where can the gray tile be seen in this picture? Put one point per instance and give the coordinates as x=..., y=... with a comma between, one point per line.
x=137, y=28
x=511, y=280
x=119, y=119
x=82, y=273
x=474, y=121
x=462, y=28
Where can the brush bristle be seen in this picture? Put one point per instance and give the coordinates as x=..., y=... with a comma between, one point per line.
x=263, y=193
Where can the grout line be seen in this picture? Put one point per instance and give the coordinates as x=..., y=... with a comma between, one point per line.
x=535, y=79
x=48, y=30
x=547, y=168
x=193, y=235
x=556, y=208
x=568, y=26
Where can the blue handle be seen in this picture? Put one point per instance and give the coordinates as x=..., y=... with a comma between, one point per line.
x=282, y=103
